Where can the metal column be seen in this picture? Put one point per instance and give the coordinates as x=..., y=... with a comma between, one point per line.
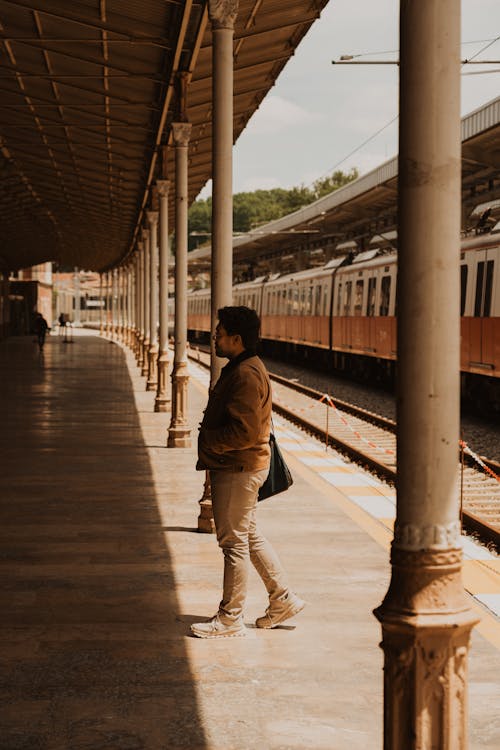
x=140, y=306
x=179, y=434
x=162, y=396
x=152, y=381
x=425, y=616
x=222, y=18
x=101, y=306
x=146, y=305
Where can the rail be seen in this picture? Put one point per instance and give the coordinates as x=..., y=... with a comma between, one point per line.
x=482, y=514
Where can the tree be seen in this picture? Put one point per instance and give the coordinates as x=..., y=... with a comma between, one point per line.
x=253, y=209
x=338, y=179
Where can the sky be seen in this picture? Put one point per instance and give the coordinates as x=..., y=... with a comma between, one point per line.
x=317, y=113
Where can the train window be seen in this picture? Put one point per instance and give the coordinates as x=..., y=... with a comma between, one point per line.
x=339, y=297
x=463, y=287
x=317, y=301
x=302, y=300
x=358, y=297
x=385, y=295
x=289, y=307
x=309, y=298
x=372, y=288
x=479, y=290
x=487, y=290
x=347, y=297
x=295, y=307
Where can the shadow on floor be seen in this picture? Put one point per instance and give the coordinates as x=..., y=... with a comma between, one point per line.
x=92, y=653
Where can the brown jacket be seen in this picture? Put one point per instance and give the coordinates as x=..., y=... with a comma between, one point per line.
x=234, y=433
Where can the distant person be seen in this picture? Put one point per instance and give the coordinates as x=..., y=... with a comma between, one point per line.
x=41, y=327
x=62, y=320
x=233, y=445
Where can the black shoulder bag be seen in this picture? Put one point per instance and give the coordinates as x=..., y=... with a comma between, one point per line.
x=279, y=478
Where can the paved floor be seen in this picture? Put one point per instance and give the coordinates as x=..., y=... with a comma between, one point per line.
x=103, y=571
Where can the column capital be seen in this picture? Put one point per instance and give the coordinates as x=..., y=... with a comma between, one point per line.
x=140, y=246
x=145, y=235
x=152, y=217
x=222, y=13
x=163, y=188
x=181, y=132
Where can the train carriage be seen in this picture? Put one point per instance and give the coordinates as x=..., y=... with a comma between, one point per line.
x=344, y=315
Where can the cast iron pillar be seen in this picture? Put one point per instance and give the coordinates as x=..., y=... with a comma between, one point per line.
x=152, y=381
x=109, y=297
x=140, y=305
x=101, y=306
x=222, y=17
x=179, y=434
x=137, y=303
x=114, y=303
x=128, y=297
x=426, y=617
x=133, y=302
x=145, y=300
x=162, y=397
x=121, y=300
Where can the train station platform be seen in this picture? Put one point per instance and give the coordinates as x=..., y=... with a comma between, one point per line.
x=103, y=571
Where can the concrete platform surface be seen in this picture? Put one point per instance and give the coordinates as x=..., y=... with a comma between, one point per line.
x=103, y=571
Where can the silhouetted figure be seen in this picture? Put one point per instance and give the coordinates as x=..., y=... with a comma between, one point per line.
x=41, y=327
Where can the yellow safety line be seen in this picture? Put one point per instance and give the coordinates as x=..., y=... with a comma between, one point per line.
x=475, y=578
x=473, y=573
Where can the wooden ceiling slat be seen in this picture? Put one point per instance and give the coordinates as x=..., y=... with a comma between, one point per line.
x=89, y=102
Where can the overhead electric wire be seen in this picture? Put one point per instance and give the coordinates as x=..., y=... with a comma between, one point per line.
x=490, y=42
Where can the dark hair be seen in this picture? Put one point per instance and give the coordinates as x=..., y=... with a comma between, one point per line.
x=242, y=320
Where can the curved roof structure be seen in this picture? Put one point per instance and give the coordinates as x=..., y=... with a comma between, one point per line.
x=89, y=90
x=368, y=205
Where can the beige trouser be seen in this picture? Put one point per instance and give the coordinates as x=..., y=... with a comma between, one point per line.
x=234, y=503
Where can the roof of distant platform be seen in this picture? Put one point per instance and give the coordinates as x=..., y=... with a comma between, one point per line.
x=88, y=97
x=350, y=211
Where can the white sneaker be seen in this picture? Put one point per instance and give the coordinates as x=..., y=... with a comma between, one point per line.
x=214, y=628
x=281, y=610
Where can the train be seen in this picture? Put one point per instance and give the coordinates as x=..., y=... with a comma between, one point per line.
x=342, y=316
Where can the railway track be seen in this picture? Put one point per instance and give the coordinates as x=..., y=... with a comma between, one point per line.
x=370, y=440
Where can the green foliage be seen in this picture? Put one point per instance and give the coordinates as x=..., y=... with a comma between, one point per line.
x=338, y=179
x=250, y=210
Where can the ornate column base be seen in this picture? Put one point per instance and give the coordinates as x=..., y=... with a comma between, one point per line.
x=206, y=523
x=426, y=623
x=145, y=362
x=152, y=381
x=179, y=434
x=179, y=437
x=162, y=399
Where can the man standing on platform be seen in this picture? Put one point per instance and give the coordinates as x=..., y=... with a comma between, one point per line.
x=41, y=327
x=233, y=445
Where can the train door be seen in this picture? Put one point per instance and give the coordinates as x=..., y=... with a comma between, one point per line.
x=482, y=344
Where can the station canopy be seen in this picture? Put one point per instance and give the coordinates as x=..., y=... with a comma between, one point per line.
x=363, y=213
x=89, y=90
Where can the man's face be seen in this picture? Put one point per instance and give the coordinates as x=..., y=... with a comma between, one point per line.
x=227, y=345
